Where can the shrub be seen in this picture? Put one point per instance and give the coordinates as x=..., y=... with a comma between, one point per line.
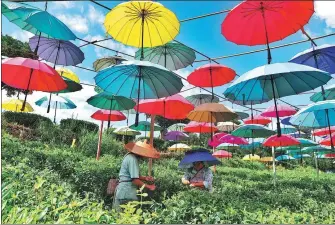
x=159, y=144
x=26, y=119
x=78, y=126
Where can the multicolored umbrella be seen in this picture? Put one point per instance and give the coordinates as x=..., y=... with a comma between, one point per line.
x=283, y=111
x=199, y=99
x=215, y=140
x=15, y=105
x=196, y=127
x=144, y=126
x=175, y=136
x=177, y=127
x=105, y=62
x=179, y=147
x=253, y=131
x=227, y=126
x=222, y=154
x=329, y=94
x=29, y=74
x=258, y=119
x=199, y=155
x=58, y=52
x=172, y=55
x=106, y=115
x=251, y=157
x=142, y=24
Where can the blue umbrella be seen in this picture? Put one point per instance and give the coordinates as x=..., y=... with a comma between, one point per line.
x=286, y=121
x=199, y=155
x=328, y=94
x=299, y=156
x=284, y=158
x=275, y=81
x=251, y=146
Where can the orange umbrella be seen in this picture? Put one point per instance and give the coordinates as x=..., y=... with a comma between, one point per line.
x=211, y=113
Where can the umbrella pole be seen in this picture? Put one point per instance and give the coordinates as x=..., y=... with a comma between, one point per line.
x=55, y=113
x=48, y=110
x=110, y=112
x=25, y=97
x=152, y=123
x=274, y=166
x=266, y=35
x=274, y=99
x=99, y=141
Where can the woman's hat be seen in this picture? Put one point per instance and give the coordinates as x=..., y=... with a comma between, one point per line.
x=198, y=155
x=143, y=149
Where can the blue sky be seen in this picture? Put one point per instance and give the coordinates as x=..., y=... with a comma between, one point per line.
x=86, y=20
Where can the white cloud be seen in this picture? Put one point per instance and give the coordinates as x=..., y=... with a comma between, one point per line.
x=75, y=22
x=95, y=16
x=325, y=11
x=63, y=4
x=22, y=35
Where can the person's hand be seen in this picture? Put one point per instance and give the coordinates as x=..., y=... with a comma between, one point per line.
x=185, y=181
x=192, y=185
x=151, y=187
x=149, y=179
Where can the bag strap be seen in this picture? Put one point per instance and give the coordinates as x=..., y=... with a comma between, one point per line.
x=196, y=173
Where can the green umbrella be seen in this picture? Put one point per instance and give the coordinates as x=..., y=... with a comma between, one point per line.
x=318, y=149
x=329, y=93
x=177, y=127
x=144, y=126
x=105, y=62
x=105, y=100
x=71, y=86
x=253, y=131
x=172, y=55
x=199, y=99
x=306, y=142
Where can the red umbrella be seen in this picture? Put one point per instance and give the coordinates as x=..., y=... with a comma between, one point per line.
x=329, y=155
x=106, y=115
x=283, y=140
x=323, y=131
x=202, y=127
x=222, y=154
x=328, y=141
x=214, y=142
x=258, y=119
x=262, y=22
x=283, y=111
x=230, y=139
x=30, y=74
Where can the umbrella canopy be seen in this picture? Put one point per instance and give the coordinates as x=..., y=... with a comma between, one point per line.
x=323, y=131
x=230, y=139
x=109, y=101
x=211, y=75
x=175, y=136
x=211, y=112
x=143, y=149
x=172, y=55
x=286, y=129
x=317, y=148
x=106, y=115
x=253, y=131
x=241, y=115
x=177, y=127
x=105, y=62
x=284, y=157
x=224, y=146
x=199, y=155
x=266, y=159
x=251, y=157
x=283, y=111
x=144, y=126
x=328, y=156
x=257, y=119
x=227, y=126
x=329, y=94
x=328, y=141
x=215, y=140
x=126, y=131
x=57, y=102
x=222, y=154
x=286, y=121
x=306, y=142
x=299, y=156
x=298, y=134
x=15, y=105
x=142, y=24
x=199, y=99
x=68, y=74
x=58, y=52
x=253, y=145
x=71, y=86
x=195, y=127
x=321, y=57
x=179, y=147
x=283, y=140
x=261, y=22
x=315, y=115
x=29, y=18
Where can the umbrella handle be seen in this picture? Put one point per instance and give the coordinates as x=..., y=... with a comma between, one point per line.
x=25, y=98
x=48, y=110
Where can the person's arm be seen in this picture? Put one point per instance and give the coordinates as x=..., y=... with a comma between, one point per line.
x=147, y=178
x=134, y=171
x=186, y=178
x=140, y=183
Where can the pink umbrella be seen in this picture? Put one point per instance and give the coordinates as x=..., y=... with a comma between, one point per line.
x=258, y=119
x=283, y=111
x=202, y=127
x=283, y=140
x=215, y=142
x=222, y=154
x=230, y=139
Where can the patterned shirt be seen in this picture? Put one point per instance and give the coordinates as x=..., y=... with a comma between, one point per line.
x=204, y=175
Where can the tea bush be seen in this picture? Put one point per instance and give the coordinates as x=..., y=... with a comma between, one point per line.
x=26, y=119
x=77, y=126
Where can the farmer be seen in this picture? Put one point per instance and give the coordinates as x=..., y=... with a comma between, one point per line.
x=129, y=176
x=198, y=173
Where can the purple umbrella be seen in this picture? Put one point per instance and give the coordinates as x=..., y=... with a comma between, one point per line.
x=58, y=52
x=175, y=136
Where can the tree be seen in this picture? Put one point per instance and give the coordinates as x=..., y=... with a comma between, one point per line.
x=11, y=48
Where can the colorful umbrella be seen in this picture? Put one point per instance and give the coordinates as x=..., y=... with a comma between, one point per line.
x=29, y=74
x=283, y=140
x=227, y=126
x=179, y=147
x=144, y=126
x=284, y=158
x=222, y=154
x=15, y=105
x=323, y=131
x=106, y=115
x=126, y=131
x=329, y=94
x=251, y=157
x=175, y=136
x=177, y=127
x=195, y=127
x=258, y=119
x=58, y=52
x=276, y=81
x=105, y=62
x=253, y=131
x=172, y=55
x=142, y=24
x=283, y=111
x=199, y=155
x=211, y=112
x=230, y=139
x=215, y=141
x=199, y=99
x=29, y=18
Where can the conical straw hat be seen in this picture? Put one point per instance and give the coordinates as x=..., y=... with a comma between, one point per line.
x=143, y=149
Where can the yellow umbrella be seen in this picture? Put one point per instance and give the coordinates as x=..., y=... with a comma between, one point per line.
x=142, y=24
x=179, y=147
x=68, y=74
x=251, y=157
x=266, y=159
x=15, y=105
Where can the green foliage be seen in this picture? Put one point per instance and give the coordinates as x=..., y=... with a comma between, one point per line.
x=159, y=144
x=26, y=119
x=78, y=126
